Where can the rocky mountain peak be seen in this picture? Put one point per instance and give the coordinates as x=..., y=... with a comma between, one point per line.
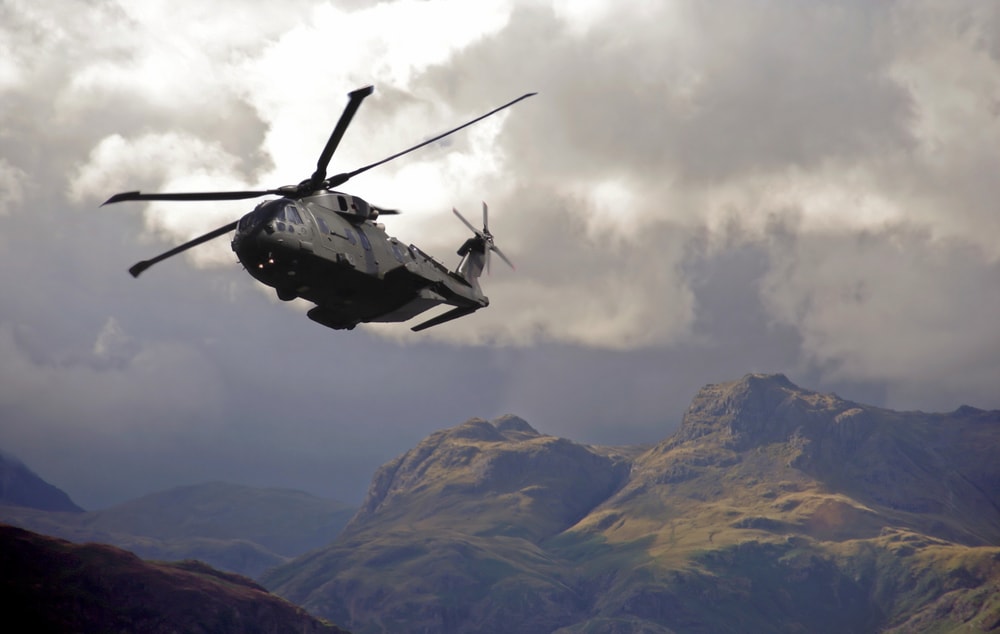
x=911, y=465
x=505, y=428
x=472, y=429
x=510, y=423
x=479, y=464
x=757, y=409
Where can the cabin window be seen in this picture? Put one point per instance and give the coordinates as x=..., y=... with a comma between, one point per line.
x=323, y=226
x=396, y=252
x=364, y=240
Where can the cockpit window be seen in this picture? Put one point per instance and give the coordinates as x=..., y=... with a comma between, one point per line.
x=258, y=215
x=292, y=214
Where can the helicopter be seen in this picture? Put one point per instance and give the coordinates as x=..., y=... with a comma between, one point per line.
x=326, y=246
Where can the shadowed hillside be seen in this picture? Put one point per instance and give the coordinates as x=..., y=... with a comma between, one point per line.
x=21, y=487
x=772, y=508
x=51, y=585
x=236, y=528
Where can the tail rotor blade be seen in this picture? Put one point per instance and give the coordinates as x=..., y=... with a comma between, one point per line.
x=467, y=223
x=485, y=238
x=503, y=257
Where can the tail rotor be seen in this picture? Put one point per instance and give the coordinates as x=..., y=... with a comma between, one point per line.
x=484, y=242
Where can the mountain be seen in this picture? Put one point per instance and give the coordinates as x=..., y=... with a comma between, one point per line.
x=458, y=521
x=20, y=486
x=772, y=508
x=236, y=528
x=52, y=585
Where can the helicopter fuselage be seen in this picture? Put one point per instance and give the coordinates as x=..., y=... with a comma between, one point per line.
x=327, y=248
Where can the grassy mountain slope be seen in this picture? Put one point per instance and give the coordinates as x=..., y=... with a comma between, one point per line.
x=771, y=509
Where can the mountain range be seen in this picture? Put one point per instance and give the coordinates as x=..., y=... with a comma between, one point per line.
x=772, y=508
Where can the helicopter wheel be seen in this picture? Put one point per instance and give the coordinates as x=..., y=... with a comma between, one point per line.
x=286, y=294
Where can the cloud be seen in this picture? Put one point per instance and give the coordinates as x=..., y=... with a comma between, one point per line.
x=112, y=385
x=891, y=304
x=11, y=187
x=696, y=192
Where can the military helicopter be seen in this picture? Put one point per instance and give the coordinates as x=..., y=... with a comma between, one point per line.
x=326, y=247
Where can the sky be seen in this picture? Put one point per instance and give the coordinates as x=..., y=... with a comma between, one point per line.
x=697, y=191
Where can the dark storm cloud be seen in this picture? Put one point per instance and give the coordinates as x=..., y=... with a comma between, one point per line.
x=820, y=117
x=698, y=191
x=742, y=87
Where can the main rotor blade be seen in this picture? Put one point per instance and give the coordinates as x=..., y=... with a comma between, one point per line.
x=117, y=198
x=355, y=99
x=139, y=267
x=486, y=219
x=340, y=179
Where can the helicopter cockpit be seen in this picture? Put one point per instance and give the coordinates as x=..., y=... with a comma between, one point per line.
x=277, y=215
